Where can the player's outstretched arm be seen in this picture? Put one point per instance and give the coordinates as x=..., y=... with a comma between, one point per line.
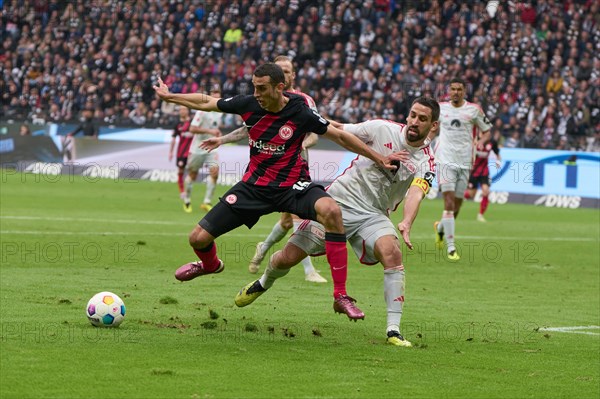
x=353, y=143
x=310, y=140
x=498, y=160
x=205, y=130
x=236, y=135
x=172, y=148
x=77, y=130
x=336, y=124
x=411, y=208
x=215, y=142
x=199, y=101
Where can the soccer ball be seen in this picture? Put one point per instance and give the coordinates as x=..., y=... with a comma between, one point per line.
x=105, y=309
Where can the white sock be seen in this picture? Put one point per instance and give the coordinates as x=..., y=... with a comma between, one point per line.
x=210, y=190
x=393, y=291
x=306, y=262
x=187, y=185
x=307, y=265
x=448, y=222
x=276, y=234
x=270, y=275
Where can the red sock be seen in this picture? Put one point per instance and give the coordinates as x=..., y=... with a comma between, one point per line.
x=180, y=182
x=337, y=256
x=208, y=256
x=483, y=205
x=467, y=195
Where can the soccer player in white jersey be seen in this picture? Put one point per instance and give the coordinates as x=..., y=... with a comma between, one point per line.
x=459, y=122
x=367, y=196
x=287, y=220
x=204, y=125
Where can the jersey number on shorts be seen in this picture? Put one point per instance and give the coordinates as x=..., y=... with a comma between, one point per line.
x=301, y=185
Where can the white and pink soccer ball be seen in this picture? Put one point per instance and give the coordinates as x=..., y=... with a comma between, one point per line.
x=105, y=309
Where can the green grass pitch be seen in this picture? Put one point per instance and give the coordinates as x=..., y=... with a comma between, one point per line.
x=482, y=327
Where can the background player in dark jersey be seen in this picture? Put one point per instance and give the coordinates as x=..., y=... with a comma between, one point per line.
x=480, y=175
x=277, y=178
x=185, y=137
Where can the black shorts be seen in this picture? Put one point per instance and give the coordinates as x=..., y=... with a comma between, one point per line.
x=478, y=181
x=246, y=203
x=181, y=162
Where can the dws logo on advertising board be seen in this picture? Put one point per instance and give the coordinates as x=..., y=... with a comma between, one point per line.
x=559, y=201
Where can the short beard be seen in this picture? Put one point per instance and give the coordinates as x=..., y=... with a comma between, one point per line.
x=408, y=136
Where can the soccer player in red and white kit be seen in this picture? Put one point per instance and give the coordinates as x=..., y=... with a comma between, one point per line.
x=185, y=137
x=480, y=175
x=459, y=120
x=277, y=178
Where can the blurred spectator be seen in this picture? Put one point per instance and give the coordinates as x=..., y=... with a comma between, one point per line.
x=24, y=130
x=497, y=137
x=581, y=116
x=530, y=139
x=566, y=123
x=513, y=141
x=138, y=114
x=555, y=83
x=233, y=36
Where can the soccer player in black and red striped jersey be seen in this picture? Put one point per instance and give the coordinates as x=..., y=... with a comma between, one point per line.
x=480, y=174
x=287, y=220
x=185, y=137
x=277, y=178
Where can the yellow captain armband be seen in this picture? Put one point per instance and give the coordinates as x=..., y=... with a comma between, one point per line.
x=422, y=184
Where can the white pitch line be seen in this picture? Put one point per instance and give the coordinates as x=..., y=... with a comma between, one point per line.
x=575, y=239
x=95, y=233
x=573, y=329
x=259, y=227
x=66, y=219
x=102, y=233
x=249, y=234
x=122, y=221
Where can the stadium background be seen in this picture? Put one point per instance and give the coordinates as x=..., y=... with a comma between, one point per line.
x=518, y=317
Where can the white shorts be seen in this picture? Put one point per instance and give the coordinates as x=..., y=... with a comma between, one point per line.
x=196, y=161
x=362, y=230
x=452, y=178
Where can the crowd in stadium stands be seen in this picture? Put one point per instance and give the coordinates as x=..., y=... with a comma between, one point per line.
x=534, y=66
